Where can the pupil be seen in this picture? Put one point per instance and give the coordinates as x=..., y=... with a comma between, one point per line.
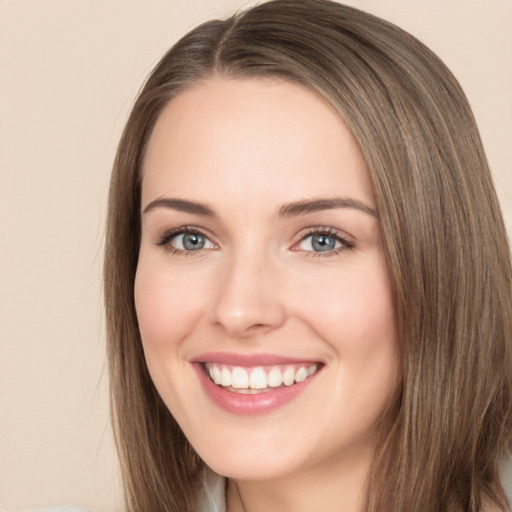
x=323, y=243
x=193, y=241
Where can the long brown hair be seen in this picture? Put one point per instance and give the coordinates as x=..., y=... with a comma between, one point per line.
x=443, y=233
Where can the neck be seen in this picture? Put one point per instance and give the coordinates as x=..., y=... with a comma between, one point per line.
x=329, y=491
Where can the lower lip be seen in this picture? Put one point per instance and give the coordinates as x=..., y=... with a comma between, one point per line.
x=247, y=404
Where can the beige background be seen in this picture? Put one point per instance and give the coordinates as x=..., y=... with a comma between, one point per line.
x=69, y=71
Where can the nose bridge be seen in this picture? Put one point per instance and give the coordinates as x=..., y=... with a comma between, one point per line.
x=248, y=298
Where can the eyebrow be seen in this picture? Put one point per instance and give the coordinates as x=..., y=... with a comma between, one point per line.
x=293, y=209
x=310, y=206
x=181, y=205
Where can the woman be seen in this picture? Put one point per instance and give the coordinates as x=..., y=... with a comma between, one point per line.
x=307, y=277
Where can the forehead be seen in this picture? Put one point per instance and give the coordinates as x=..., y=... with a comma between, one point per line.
x=252, y=137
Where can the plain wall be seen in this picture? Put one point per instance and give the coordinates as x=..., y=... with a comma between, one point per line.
x=69, y=71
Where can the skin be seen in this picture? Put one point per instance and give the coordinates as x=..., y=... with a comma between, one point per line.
x=245, y=148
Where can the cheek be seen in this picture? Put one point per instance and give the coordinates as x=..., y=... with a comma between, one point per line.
x=360, y=328
x=167, y=309
x=355, y=315
x=354, y=311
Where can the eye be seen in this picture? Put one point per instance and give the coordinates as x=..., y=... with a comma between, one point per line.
x=319, y=243
x=185, y=240
x=324, y=242
x=190, y=242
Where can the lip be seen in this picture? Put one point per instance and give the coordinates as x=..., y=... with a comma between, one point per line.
x=248, y=360
x=249, y=404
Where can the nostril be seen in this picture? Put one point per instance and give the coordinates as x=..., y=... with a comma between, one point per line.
x=257, y=326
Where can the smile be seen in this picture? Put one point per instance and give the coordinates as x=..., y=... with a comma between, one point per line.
x=260, y=379
x=254, y=384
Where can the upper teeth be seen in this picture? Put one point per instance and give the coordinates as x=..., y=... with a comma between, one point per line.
x=259, y=377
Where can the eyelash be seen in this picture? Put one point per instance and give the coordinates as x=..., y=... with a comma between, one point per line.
x=165, y=240
x=331, y=233
x=167, y=237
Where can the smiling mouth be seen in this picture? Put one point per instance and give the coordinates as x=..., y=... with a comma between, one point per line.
x=259, y=379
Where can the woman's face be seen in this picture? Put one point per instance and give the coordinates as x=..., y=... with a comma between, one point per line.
x=261, y=267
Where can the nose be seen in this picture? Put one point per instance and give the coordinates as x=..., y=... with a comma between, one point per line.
x=248, y=299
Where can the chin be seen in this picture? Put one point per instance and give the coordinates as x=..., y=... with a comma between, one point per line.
x=247, y=467
x=251, y=453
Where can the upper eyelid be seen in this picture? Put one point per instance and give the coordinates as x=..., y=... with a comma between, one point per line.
x=346, y=242
x=325, y=230
x=168, y=234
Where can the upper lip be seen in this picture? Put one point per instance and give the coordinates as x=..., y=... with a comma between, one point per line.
x=248, y=360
